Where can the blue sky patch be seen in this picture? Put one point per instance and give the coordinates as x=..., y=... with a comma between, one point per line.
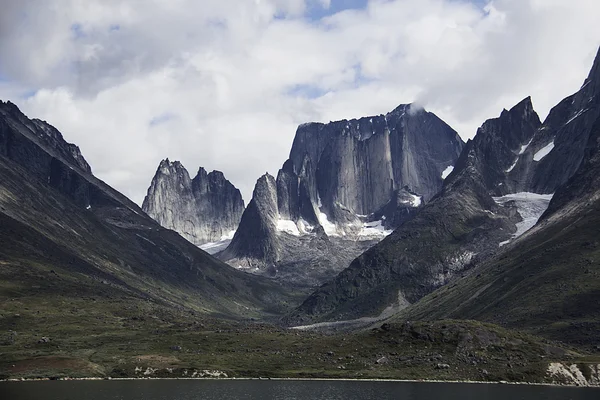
x=306, y=91
x=162, y=118
x=77, y=31
x=316, y=11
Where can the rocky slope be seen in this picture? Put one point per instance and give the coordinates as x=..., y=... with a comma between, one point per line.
x=65, y=233
x=547, y=281
x=464, y=224
x=345, y=186
x=205, y=209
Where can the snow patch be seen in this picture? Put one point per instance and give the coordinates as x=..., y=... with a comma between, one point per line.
x=304, y=227
x=447, y=172
x=374, y=228
x=215, y=247
x=525, y=146
x=512, y=166
x=330, y=228
x=416, y=200
x=579, y=114
x=530, y=206
x=544, y=151
x=288, y=226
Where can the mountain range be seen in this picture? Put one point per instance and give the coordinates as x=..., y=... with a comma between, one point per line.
x=468, y=252
x=513, y=163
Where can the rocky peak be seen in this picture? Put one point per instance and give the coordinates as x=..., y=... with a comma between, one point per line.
x=494, y=152
x=359, y=163
x=205, y=209
x=45, y=135
x=350, y=180
x=557, y=148
x=255, y=237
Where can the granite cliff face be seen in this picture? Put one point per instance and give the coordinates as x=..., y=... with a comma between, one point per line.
x=358, y=164
x=501, y=184
x=345, y=186
x=205, y=209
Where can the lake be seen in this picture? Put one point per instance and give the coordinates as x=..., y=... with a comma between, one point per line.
x=289, y=390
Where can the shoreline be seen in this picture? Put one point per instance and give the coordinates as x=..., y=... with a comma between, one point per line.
x=302, y=380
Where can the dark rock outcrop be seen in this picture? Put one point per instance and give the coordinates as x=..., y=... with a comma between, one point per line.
x=556, y=150
x=204, y=209
x=258, y=228
x=359, y=163
x=548, y=281
x=41, y=149
x=463, y=225
x=349, y=181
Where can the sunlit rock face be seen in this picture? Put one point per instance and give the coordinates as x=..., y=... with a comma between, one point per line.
x=345, y=186
x=204, y=209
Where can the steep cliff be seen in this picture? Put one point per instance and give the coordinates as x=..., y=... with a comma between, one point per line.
x=461, y=224
x=513, y=158
x=345, y=186
x=205, y=209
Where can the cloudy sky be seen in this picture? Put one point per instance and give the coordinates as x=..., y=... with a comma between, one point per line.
x=224, y=83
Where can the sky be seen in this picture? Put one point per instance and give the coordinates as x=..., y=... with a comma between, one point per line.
x=223, y=84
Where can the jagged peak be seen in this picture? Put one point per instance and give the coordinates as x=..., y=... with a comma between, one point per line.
x=202, y=172
x=523, y=110
x=265, y=183
x=166, y=167
x=217, y=176
x=265, y=178
x=526, y=104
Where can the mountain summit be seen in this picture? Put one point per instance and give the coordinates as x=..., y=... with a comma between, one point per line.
x=205, y=209
x=350, y=182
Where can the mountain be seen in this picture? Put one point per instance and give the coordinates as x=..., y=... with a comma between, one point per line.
x=65, y=234
x=345, y=186
x=500, y=186
x=547, y=281
x=91, y=286
x=205, y=209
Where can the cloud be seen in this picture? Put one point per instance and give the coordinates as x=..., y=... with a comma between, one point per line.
x=223, y=83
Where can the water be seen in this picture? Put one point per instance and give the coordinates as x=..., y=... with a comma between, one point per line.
x=289, y=390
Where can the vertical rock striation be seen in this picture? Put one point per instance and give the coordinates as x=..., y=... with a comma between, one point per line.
x=345, y=182
x=204, y=209
x=464, y=225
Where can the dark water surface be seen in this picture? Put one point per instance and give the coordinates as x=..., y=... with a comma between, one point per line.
x=264, y=390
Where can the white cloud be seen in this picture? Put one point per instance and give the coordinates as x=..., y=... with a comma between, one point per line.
x=223, y=83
